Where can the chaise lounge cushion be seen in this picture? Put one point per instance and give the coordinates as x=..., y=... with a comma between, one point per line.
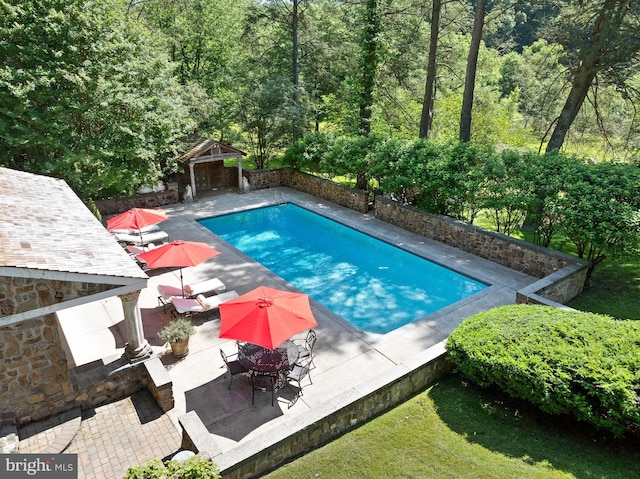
x=201, y=304
x=211, y=284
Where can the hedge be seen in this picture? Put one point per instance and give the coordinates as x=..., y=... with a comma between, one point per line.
x=565, y=362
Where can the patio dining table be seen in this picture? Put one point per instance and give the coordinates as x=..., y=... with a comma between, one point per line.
x=261, y=360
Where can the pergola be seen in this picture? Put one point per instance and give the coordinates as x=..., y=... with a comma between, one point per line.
x=204, y=150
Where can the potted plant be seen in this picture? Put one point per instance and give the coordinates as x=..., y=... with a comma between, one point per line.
x=177, y=332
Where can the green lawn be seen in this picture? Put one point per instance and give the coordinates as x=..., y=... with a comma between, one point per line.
x=614, y=289
x=456, y=430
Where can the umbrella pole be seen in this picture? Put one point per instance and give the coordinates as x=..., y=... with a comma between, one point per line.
x=181, y=284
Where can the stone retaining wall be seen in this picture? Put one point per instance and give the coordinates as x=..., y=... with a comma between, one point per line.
x=562, y=275
x=357, y=200
x=498, y=248
x=115, y=206
x=320, y=425
x=111, y=379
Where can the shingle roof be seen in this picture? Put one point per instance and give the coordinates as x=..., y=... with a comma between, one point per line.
x=201, y=145
x=45, y=226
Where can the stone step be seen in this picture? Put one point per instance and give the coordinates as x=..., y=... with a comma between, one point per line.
x=8, y=439
x=51, y=436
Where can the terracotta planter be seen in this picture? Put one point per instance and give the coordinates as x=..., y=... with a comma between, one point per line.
x=180, y=349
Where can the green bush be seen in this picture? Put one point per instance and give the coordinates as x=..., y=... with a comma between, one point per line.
x=565, y=362
x=192, y=468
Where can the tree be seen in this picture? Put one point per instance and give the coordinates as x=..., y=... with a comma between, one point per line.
x=369, y=62
x=426, y=119
x=612, y=38
x=266, y=117
x=470, y=77
x=87, y=95
x=202, y=38
x=600, y=208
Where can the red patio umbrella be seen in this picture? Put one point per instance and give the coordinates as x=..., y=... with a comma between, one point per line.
x=265, y=316
x=180, y=254
x=136, y=219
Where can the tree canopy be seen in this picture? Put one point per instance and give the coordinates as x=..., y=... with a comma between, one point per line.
x=102, y=93
x=87, y=94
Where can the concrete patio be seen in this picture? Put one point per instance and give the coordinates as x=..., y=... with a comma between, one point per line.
x=344, y=355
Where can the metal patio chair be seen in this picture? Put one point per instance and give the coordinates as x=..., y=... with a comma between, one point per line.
x=300, y=371
x=305, y=350
x=233, y=367
x=263, y=382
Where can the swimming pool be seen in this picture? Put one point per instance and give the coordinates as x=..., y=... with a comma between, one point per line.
x=375, y=286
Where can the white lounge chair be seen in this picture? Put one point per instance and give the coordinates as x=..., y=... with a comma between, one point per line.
x=143, y=230
x=143, y=239
x=201, y=304
x=190, y=290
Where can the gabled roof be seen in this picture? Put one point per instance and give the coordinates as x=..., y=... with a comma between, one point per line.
x=201, y=146
x=47, y=229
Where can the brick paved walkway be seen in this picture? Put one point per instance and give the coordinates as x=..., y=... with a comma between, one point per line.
x=113, y=437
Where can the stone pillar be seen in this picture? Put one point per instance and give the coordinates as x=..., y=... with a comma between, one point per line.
x=137, y=348
x=240, y=181
x=192, y=177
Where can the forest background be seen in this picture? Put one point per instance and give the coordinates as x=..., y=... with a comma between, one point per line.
x=104, y=94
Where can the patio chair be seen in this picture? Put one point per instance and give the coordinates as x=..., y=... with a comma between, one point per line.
x=233, y=367
x=263, y=382
x=201, y=304
x=300, y=371
x=306, y=350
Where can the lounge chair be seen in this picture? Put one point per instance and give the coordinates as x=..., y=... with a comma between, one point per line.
x=143, y=230
x=136, y=251
x=201, y=304
x=143, y=239
x=190, y=290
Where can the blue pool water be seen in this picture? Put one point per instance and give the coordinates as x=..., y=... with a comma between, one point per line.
x=372, y=284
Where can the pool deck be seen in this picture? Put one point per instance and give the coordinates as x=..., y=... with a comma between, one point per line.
x=344, y=356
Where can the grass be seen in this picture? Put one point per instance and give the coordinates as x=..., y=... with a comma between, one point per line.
x=614, y=289
x=456, y=430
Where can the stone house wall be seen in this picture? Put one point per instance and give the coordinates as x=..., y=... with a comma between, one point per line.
x=18, y=295
x=38, y=384
x=34, y=372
